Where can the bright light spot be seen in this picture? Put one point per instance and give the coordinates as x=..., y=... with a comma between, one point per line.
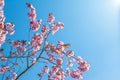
x=116, y=3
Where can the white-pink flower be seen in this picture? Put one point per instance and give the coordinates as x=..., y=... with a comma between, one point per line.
x=51, y=18
x=59, y=61
x=35, y=24
x=76, y=74
x=70, y=63
x=45, y=69
x=3, y=69
x=70, y=53
x=36, y=41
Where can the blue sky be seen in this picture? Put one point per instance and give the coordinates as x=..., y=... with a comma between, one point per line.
x=91, y=26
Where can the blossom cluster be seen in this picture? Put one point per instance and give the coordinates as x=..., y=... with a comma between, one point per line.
x=4, y=28
x=56, y=72
x=64, y=62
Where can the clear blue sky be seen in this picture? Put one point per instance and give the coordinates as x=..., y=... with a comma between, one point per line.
x=91, y=26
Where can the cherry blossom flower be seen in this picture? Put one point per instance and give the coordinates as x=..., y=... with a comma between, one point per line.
x=56, y=26
x=59, y=61
x=51, y=57
x=36, y=41
x=45, y=69
x=35, y=24
x=69, y=63
x=67, y=73
x=44, y=31
x=32, y=12
x=14, y=76
x=51, y=18
x=1, y=4
x=83, y=66
x=54, y=69
x=76, y=74
x=70, y=53
x=16, y=43
x=3, y=69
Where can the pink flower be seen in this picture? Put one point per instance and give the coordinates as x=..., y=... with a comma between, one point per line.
x=60, y=48
x=51, y=57
x=35, y=24
x=56, y=26
x=59, y=61
x=67, y=73
x=9, y=25
x=40, y=74
x=1, y=13
x=45, y=69
x=51, y=18
x=11, y=31
x=69, y=63
x=2, y=20
x=2, y=38
x=70, y=53
x=14, y=76
x=44, y=31
x=32, y=12
x=83, y=66
x=3, y=58
x=36, y=41
x=54, y=69
x=76, y=74
x=78, y=59
x=1, y=4
x=33, y=53
x=59, y=24
x=16, y=43
x=3, y=69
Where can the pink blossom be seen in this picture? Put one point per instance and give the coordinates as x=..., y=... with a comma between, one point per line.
x=59, y=24
x=3, y=69
x=11, y=31
x=69, y=63
x=35, y=24
x=59, y=61
x=32, y=12
x=78, y=59
x=8, y=25
x=51, y=57
x=36, y=41
x=56, y=26
x=2, y=20
x=70, y=53
x=44, y=31
x=33, y=53
x=1, y=4
x=60, y=48
x=16, y=43
x=54, y=69
x=40, y=74
x=45, y=69
x=1, y=13
x=3, y=58
x=76, y=74
x=51, y=18
x=2, y=38
x=67, y=73
x=14, y=76
x=83, y=66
